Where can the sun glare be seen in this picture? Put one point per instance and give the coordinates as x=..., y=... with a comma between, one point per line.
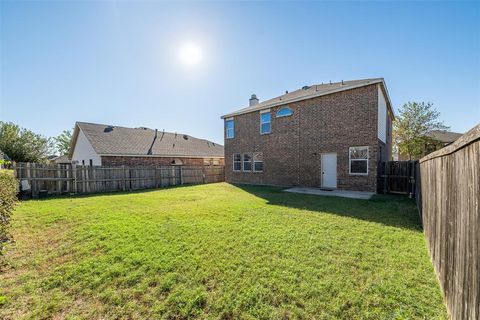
x=190, y=54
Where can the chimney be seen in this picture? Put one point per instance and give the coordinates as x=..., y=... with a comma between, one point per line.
x=253, y=100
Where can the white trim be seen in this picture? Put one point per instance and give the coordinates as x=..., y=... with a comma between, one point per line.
x=226, y=129
x=265, y=110
x=374, y=81
x=243, y=162
x=269, y=122
x=253, y=162
x=233, y=163
x=286, y=115
x=350, y=161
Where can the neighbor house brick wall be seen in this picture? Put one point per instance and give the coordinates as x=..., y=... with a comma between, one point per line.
x=152, y=161
x=292, y=151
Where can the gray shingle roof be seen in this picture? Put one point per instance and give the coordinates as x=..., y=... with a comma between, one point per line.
x=308, y=92
x=115, y=140
x=444, y=136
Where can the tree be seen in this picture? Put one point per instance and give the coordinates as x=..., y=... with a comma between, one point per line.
x=62, y=142
x=22, y=145
x=411, y=126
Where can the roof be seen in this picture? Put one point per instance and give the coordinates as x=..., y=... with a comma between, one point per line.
x=59, y=159
x=444, y=136
x=312, y=91
x=121, y=141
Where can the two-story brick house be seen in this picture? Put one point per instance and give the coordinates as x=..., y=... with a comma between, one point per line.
x=329, y=135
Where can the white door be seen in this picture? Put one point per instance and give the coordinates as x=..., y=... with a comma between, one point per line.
x=329, y=170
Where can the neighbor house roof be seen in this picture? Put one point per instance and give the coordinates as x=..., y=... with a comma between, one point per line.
x=121, y=141
x=313, y=91
x=444, y=136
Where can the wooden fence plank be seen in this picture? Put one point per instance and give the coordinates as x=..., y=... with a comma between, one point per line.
x=450, y=199
x=59, y=179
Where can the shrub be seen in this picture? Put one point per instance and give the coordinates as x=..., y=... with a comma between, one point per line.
x=8, y=199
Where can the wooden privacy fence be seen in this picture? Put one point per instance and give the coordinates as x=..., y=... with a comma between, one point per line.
x=41, y=179
x=450, y=200
x=397, y=177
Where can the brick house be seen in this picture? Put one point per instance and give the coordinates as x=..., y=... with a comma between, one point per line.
x=100, y=144
x=329, y=135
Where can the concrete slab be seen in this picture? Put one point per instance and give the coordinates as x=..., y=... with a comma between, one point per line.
x=333, y=193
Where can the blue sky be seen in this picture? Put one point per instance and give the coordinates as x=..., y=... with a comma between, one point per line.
x=118, y=62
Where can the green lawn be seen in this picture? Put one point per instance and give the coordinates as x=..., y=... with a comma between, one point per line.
x=218, y=251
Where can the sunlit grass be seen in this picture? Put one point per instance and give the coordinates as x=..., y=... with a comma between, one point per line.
x=218, y=251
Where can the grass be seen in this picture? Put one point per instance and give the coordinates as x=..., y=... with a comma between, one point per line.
x=218, y=251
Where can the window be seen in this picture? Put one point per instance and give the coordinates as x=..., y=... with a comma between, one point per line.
x=247, y=162
x=358, y=160
x=83, y=162
x=284, y=112
x=91, y=162
x=265, y=122
x=237, y=162
x=229, y=127
x=257, y=161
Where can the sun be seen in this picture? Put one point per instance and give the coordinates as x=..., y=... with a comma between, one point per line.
x=190, y=54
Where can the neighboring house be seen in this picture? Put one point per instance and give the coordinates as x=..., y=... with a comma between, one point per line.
x=59, y=159
x=100, y=144
x=437, y=140
x=328, y=135
x=440, y=139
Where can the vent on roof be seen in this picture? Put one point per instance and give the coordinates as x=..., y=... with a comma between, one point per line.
x=108, y=129
x=305, y=87
x=143, y=128
x=185, y=137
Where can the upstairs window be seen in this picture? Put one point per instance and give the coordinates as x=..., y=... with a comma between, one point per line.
x=284, y=112
x=247, y=162
x=257, y=162
x=237, y=162
x=358, y=160
x=265, y=122
x=229, y=128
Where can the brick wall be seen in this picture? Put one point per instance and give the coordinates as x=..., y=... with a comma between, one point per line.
x=152, y=161
x=292, y=151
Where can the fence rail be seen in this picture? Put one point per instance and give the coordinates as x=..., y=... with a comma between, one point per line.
x=42, y=179
x=450, y=202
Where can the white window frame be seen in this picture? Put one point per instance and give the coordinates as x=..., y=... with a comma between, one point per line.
x=253, y=161
x=243, y=162
x=350, y=161
x=285, y=115
x=269, y=122
x=226, y=128
x=233, y=162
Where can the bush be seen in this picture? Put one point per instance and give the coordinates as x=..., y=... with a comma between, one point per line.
x=8, y=199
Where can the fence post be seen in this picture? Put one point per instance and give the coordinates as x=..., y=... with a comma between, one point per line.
x=385, y=178
x=181, y=175
x=123, y=176
x=74, y=172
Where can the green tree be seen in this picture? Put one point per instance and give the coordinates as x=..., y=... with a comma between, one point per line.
x=410, y=128
x=23, y=145
x=62, y=142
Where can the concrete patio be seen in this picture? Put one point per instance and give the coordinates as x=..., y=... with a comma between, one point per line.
x=334, y=193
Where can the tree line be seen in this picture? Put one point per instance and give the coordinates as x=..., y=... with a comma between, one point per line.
x=24, y=145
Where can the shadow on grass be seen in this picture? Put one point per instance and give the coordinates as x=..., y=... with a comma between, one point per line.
x=390, y=210
x=107, y=193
